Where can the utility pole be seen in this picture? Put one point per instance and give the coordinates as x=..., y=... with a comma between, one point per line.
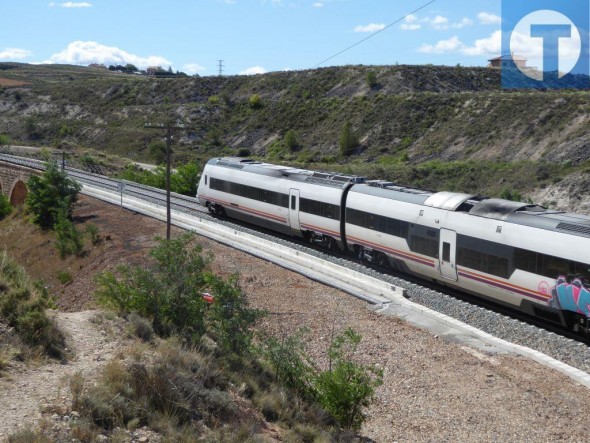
x=220, y=67
x=168, y=128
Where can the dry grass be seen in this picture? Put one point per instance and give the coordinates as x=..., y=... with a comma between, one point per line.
x=8, y=83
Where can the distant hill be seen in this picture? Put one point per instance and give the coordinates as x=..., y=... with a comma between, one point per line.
x=407, y=114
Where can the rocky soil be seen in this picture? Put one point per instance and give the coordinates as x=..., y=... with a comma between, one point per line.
x=432, y=391
x=29, y=393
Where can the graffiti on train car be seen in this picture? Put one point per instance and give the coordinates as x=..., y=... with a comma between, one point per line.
x=572, y=296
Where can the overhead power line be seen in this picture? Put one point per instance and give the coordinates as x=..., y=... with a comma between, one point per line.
x=375, y=33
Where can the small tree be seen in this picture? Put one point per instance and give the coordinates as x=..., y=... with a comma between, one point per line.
x=348, y=140
x=231, y=316
x=292, y=365
x=4, y=140
x=186, y=179
x=49, y=193
x=5, y=207
x=347, y=386
x=291, y=140
x=157, y=150
x=371, y=79
x=167, y=290
x=69, y=239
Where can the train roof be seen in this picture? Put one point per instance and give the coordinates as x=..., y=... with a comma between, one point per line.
x=492, y=208
x=329, y=179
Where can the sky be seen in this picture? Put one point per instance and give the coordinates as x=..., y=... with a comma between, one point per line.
x=250, y=36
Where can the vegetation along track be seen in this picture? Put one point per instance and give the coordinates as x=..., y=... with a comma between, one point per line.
x=488, y=317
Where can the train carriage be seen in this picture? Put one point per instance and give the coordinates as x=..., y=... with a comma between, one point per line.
x=521, y=255
x=288, y=200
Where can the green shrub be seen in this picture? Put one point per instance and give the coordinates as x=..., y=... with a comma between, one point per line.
x=347, y=386
x=22, y=307
x=92, y=232
x=230, y=315
x=5, y=206
x=64, y=277
x=68, y=239
x=348, y=140
x=184, y=180
x=141, y=327
x=4, y=140
x=255, y=101
x=290, y=362
x=291, y=141
x=49, y=194
x=157, y=150
x=371, y=79
x=166, y=290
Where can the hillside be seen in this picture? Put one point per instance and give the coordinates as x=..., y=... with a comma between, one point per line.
x=410, y=116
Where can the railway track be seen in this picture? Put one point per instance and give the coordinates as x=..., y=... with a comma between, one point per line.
x=487, y=316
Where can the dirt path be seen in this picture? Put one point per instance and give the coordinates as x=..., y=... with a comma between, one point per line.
x=23, y=394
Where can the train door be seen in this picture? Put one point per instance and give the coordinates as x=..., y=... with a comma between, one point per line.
x=447, y=254
x=294, y=209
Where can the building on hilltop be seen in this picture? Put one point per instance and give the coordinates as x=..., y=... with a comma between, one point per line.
x=507, y=60
x=97, y=65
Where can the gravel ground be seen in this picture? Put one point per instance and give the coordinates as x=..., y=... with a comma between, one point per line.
x=432, y=390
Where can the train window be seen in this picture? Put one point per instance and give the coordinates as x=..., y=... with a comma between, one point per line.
x=446, y=255
x=525, y=260
x=423, y=245
x=554, y=266
x=497, y=266
x=284, y=200
x=331, y=211
x=205, y=180
x=582, y=270
x=480, y=261
x=293, y=202
x=354, y=217
x=250, y=192
x=469, y=258
x=371, y=221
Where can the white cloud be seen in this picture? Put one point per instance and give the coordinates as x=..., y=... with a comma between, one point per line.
x=410, y=23
x=253, y=70
x=373, y=27
x=71, y=5
x=488, y=46
x=193, y=68
x=487, y=18
x=84, y=53
x=317, y=5
x=464, y=22
x=482, y=47
x=14, y=53
x=450, y=45
x=76, y=5
x=410, y=26
x=439, y=23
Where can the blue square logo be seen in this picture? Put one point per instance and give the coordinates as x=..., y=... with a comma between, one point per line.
x=545, y=44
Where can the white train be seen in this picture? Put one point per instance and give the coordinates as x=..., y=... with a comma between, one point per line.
x=524, y=256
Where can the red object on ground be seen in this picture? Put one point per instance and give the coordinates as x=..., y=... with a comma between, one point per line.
x=208, y=297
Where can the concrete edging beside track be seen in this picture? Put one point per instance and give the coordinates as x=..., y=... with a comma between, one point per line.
x=389, y=299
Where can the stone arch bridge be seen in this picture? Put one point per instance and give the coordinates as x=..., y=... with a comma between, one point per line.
x=13, y=181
